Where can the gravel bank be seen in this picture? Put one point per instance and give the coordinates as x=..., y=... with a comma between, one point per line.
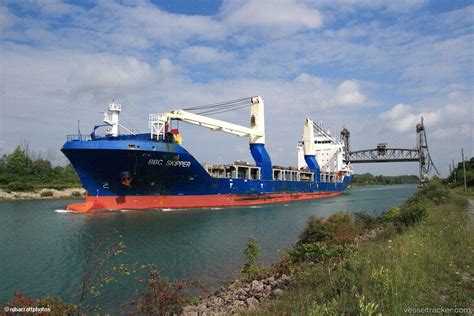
x=43, y=194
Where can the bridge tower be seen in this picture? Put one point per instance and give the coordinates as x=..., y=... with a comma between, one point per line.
x=425, y=161
x=345, y=136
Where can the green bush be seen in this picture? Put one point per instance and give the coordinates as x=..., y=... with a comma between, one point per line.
x=20, y=186
x=339, y=218
x=251, y=251
x=435, y=192
x=315, y=230
x=409, y=215
x=57, y=306
x=365, y=220
x=391, y=215
x=46, y=193
x=160, y=296
x=323, y=239
x=76, y=194
x=315, y=252
x=337, y=229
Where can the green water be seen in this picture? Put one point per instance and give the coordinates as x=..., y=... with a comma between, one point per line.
x=43, y=251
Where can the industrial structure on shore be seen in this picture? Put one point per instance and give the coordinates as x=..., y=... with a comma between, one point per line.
x=383, y=153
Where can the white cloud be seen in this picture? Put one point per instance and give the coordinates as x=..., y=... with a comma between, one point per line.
x=154, y=24
x=348, y=94
x=402, y=118
x=165, y=67
x=444, y=133
x=114, y=26
x=203, y=55
x=272, y=17
x=396, y=112
x=57, y=7
x=97, y=72
x=399, y=6
x=47, y=87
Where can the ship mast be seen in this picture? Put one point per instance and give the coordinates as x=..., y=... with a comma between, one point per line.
x=111, y=118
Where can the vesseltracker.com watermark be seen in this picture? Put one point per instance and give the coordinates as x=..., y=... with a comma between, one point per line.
x=438, y=310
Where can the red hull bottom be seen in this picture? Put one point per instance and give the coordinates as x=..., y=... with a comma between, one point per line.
x=189, y=201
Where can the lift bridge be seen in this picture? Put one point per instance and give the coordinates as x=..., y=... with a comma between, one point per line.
x=383, y=153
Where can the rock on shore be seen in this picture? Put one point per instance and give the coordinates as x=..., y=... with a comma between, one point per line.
x=43, y=194
x=248, y=295
x=238, y=296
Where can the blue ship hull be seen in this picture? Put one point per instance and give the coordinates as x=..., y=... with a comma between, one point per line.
x=138, y=172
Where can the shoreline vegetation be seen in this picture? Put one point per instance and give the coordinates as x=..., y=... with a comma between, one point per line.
x=414, y=256
x=368, y=179
x=25, y=175
x=23, y=171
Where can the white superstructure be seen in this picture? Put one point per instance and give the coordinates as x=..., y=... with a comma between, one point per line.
x=328, y=151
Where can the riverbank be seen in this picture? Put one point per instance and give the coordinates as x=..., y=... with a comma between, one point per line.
x=416, y=256
x=42, y=194
x=413, y=264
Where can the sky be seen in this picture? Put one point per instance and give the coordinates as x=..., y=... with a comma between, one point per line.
x=374, y=67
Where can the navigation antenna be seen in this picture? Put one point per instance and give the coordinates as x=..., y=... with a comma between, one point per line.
x=426, y=163
x=79, y=128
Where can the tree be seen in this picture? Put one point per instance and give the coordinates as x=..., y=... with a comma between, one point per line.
x=18, y=163
x=19, y=171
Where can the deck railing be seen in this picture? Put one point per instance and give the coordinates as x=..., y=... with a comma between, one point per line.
x=81, y=137
x=78, y=137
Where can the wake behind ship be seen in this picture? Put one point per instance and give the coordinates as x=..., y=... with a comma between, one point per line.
x=153, y=170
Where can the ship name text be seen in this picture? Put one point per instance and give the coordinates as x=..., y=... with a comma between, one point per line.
x=169, y=163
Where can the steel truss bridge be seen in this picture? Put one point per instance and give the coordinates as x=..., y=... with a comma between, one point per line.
x=382, y=153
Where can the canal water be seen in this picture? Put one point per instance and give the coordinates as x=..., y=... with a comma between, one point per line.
x=44, y=250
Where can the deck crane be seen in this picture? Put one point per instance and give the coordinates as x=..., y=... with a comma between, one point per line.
x=320, y=152
x=256, y=132
x=310, y=131
x=309, y=149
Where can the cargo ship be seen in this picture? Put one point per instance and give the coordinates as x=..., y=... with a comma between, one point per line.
x=154, y=171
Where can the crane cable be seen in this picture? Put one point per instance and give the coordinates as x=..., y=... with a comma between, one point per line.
x=220, y=107
x=222, y=110
x=323, y=132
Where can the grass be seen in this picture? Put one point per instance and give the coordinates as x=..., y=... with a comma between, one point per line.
x=429, y=264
